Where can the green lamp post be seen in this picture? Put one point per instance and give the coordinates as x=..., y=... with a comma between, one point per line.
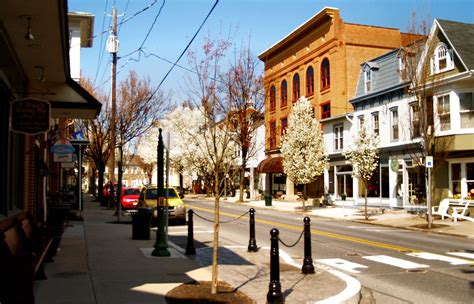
x=161, y=244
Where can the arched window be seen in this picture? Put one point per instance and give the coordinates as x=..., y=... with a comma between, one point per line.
x=272, y=98
x=309, y=81
x=442, y=59
x=284, y=93
x=325, y=74
x=296, y=87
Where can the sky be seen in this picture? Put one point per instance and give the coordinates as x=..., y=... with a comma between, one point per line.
x=258, y=23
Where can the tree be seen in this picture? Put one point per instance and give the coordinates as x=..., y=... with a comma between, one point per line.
x=245, y=90
x=363, y=155
x=139, y=107
x=214, y=138
x=416, y=72
x=98, y=132
x=304, y=157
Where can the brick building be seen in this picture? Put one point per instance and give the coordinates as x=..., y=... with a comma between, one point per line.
x=320, y=60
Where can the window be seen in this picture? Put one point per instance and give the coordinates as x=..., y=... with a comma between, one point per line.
x=442, y=59
x=394, y=123
x=470, y=180
x=272, y=98
x=466, y=110
x=444, y=114
x=309, y=81
x=284, y=93
x=326, y=110
x=272, y=138
x=284, y=125
x=361, y=120
x=296, y=87
x=338, y=137
x=415, y=120
x=456, y=179
x=375, y=122
x=325, y=74
x=368, y=80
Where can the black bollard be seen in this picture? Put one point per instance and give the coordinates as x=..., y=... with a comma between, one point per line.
x=274, y=294
x=190, y=244
x=308, y=267
x=252, y=241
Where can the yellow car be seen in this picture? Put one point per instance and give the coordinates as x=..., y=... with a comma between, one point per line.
x=176, y=208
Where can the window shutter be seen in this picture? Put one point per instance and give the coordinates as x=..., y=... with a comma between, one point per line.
x=451, y=59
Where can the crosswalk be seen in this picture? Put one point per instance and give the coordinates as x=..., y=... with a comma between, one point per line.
x=410, y=261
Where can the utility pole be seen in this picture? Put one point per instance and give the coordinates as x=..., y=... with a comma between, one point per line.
x=112, y=47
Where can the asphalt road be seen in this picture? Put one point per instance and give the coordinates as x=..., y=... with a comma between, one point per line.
x=393, y=265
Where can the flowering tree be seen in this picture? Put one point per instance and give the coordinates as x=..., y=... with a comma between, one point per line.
x=304, y=157
x=363, y=155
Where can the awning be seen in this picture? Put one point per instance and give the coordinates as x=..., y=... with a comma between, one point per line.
x=271, y=165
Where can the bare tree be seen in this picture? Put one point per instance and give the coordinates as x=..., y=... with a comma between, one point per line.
x=214, y=137
x=245, y=91
x=415, y=69
x=98, y=132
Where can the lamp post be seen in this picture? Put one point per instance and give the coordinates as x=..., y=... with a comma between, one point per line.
x=161, y=244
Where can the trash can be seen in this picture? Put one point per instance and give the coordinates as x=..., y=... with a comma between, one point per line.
x=268, y=199
x=141, y=222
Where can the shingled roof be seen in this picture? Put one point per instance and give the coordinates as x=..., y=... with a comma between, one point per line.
x=461, y=35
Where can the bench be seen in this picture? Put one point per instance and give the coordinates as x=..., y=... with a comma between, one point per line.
x=461, y=212
x=24, y=247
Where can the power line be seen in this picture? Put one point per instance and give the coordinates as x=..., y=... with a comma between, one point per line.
x=186, y=48
x=101, y=52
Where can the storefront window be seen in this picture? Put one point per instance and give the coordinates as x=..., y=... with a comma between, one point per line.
x=331, y=179
x=385, y=185
x=416, y=183
x=344, y=180
x=470, y=180
x=456, y=179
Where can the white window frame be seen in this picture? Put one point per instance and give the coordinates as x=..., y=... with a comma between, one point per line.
x=368, y=80
x=338, y=137
x=461, y=111
x=394, y=126
x=463, y=178
x=442, y=98
x=360, y=121
x=376, y=122
x=412, y=120
x=442, y=53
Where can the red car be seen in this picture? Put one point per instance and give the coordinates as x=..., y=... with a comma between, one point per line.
x=130, y=198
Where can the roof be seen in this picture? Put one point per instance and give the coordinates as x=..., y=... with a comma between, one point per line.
x=460, y=35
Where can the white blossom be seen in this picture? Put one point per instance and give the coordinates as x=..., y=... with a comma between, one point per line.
x=304, y=156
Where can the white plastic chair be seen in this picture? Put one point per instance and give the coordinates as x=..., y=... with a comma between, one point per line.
x=442, y=209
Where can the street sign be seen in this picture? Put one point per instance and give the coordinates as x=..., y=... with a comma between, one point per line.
x=429, y=162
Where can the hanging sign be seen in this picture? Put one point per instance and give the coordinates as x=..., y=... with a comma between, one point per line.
x=394, y=164
x=62, y=147
x=30, y=116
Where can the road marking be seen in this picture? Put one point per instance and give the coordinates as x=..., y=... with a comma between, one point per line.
x=463, y=254
x=385, y=259
x=316, y=232
x=439, y=257
x=342, y=264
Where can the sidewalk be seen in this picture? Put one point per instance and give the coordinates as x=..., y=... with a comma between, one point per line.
x=389, y=218
x=98, y=262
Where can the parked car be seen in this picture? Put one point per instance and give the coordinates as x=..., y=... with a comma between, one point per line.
x=176, y=208
x=130, y=198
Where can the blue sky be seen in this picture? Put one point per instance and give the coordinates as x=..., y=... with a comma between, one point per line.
x=262, y=22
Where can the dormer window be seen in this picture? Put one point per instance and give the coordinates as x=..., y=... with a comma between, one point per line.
x=368, y=80
x=442, y=60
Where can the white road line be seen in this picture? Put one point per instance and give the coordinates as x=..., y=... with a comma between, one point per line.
x=439, y=257
x=385, y=259
x=466, y=255
x=342, y=264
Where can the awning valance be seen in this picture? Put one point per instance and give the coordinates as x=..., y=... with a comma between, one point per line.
x=271, y=165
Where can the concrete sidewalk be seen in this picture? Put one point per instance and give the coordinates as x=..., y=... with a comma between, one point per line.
x=98, y=262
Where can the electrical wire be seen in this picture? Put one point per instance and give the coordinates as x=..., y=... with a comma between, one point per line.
x=101, y=51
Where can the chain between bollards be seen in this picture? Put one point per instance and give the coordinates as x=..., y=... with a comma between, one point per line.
x=308, y=267
x=274, y=294
x=190, y=249
x=252, y=241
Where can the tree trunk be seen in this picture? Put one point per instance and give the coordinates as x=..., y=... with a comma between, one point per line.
x=304, y=197
x=215, y=248
x=100, y=193
x=366, y=202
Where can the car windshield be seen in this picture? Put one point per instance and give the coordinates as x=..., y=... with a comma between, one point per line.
x=152, y=193
x=131, y=192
